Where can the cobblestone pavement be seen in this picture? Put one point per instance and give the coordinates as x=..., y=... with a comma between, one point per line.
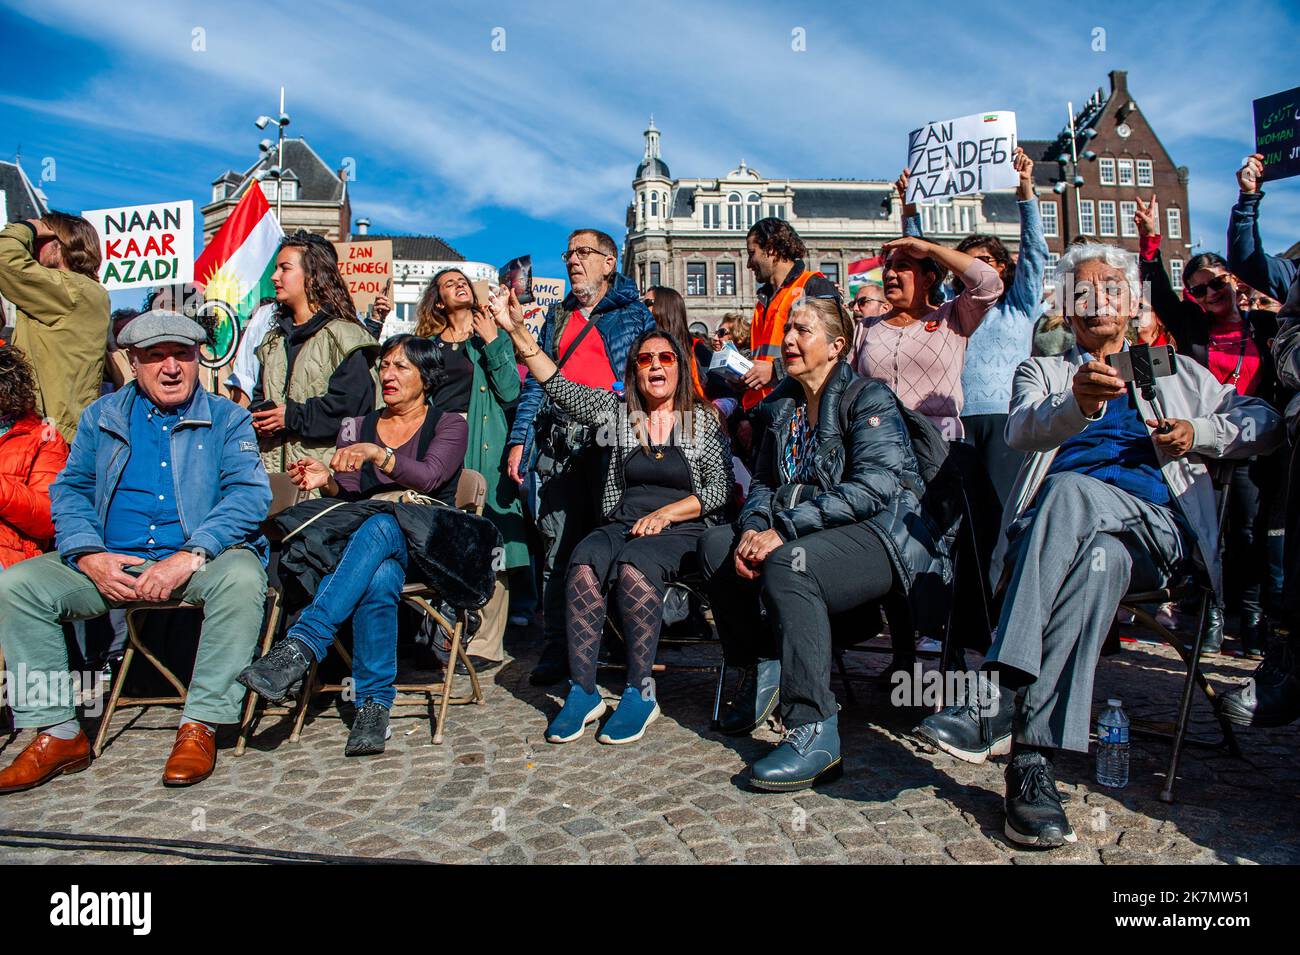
x=496, y=792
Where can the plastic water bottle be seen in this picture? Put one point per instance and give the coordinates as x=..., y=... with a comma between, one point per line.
x=1112, y=746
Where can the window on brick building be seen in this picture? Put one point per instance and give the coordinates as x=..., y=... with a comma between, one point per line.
x=655, y=274
x=1127, y=227
x=1087, y=217
x=831, y=270
x=1125, y=172
x=726, y=278
x=1174, y=223
x=1047, y=212
x=1176, y=274
x=1146, y=174
x=1106, y=171
x=1106, y=213
x=735, y=214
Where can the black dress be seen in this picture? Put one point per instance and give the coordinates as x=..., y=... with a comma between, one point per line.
x=653, y=478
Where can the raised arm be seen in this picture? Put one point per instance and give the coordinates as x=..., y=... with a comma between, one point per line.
x=1247, y=259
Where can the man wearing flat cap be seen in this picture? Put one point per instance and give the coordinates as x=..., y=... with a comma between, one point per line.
x=162, y=498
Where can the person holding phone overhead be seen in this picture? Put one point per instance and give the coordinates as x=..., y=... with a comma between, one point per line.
x=317, y=360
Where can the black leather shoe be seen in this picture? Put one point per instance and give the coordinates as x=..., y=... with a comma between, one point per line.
x=1255, y=635
x=1214, y=635
x=1035, y=816
x=553, y=667
x=481, y=665
x=272, y=675
x=756, y=699
x=975, y=728
x=807, y=755
x=370, y=730
x=1271, y=697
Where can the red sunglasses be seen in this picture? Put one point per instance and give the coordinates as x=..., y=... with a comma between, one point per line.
x=666, y=358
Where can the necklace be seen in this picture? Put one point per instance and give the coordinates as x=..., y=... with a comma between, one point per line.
x=455, y=343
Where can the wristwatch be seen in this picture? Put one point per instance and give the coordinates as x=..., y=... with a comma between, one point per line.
x=388, y=456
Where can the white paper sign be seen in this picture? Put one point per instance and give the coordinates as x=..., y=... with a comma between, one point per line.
x=145, y=245
x=962, y=156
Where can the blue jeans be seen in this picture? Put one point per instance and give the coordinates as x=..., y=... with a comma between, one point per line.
x=366, y=586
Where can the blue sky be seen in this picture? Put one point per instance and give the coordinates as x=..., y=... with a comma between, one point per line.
x=502, y=153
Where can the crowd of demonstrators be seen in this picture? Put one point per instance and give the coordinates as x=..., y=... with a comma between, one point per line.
x=163, y=479
x=480, y=381
x=1207, y=326
x=668, y=478
x=625, y=452
x=49, y=270
x=411, y=443
x=588, y=336
x=1102, y=478
x=316, y=363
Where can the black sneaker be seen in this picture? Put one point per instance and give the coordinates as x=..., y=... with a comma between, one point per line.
x=272, y=675
x=1271, y=697
x=975, y=728
x=1035, y=816
x=369, y=731
x=1255, y=635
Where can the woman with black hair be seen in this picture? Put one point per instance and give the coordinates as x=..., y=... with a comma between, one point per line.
x=316, y=361
x=668, y=480
x=408, y=444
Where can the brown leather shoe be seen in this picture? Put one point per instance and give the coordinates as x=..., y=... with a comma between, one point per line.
x=193, y=757
x=44, y=758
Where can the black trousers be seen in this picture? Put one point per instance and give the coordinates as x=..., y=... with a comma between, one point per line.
x=568, y=501
x=986, y=433
x=801, y=585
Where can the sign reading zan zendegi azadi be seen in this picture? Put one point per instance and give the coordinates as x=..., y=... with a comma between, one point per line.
x=145, y=245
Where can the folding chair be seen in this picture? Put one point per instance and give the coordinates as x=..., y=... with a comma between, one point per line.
x=1195, y=584
x=134, y=645
x=471, y=496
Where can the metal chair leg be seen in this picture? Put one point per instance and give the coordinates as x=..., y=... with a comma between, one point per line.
x=1185, y=704
x=717, y=692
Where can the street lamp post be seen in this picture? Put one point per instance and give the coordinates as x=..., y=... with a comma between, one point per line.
x=1069, y=162
x=276, y=172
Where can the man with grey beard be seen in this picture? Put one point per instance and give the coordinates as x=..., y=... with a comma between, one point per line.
x=588, y=336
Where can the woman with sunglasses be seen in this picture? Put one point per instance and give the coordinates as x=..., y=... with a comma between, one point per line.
x=1209, y=327
x=668, y=479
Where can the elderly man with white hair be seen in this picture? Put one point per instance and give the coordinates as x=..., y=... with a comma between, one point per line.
x=1114, y=495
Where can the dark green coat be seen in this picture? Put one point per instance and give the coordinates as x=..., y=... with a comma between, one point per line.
x=496, y=384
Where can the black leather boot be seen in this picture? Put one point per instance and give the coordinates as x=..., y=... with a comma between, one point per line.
x=1271, y=697
x=755, y=701
x=272, y=675
x=975, y=728
x=1254, y=635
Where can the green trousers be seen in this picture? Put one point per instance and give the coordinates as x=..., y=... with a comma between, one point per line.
x=38, y=595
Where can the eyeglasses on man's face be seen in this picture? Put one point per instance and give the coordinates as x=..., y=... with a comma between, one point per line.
x=583, y=252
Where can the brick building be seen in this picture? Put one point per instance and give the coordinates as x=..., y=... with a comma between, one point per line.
x=1119, y=157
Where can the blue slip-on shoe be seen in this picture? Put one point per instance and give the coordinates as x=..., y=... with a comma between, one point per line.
x=580, y=708
x=629, y=722
x=807, y=755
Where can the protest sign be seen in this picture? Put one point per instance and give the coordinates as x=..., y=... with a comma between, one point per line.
x=547, y=292
x=962, y=156
x=145, y=245
x=1277, y=134
x=367, y=268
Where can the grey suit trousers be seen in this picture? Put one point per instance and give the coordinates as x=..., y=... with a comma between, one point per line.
x=1074, y=554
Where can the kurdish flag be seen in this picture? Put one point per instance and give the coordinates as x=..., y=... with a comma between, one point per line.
x=863, y=271
x=236, y=266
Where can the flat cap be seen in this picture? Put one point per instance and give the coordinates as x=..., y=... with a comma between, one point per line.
x=158, y=326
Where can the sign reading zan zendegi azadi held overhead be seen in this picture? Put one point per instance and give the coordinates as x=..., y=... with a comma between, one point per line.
x=145, y=245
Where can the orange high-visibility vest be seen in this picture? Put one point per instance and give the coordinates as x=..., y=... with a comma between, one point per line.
x=767, y=329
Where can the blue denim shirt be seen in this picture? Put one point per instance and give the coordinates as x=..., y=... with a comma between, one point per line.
x=218, y=483
x=142, y=515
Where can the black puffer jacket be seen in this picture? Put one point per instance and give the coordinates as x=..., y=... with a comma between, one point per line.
x=868, y=475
